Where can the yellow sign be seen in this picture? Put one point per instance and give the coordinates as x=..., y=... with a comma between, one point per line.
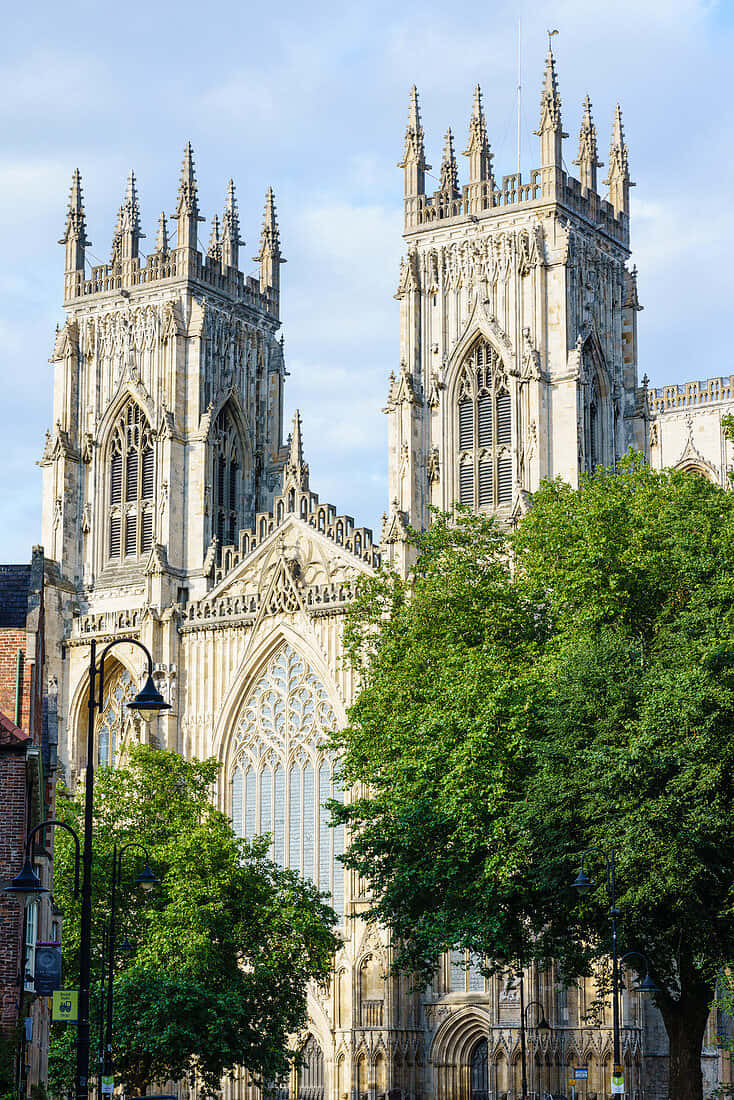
x=66, y=1005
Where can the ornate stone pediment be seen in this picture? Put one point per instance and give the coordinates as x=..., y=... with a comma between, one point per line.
x=293, y=559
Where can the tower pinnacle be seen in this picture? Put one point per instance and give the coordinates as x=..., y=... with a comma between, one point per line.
x=214, y=251
x=161, y=237
x=127, y=233
x=480, y=158
x=588, y=158
x=414, y=158
x=231, y=242
x=269, y=256
x=618, y=180
x=550, y=130
x=449, y=170
x=187, y=207
x=295, y=471
x=75, y=234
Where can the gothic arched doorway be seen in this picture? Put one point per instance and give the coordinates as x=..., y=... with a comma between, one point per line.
x=311, y=1074
x=479, y=1071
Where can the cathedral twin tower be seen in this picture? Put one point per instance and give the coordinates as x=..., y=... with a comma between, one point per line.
x=178, y=515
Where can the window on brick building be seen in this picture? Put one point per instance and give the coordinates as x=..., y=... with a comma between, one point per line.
x=130, y=486
x=31, y=938
x=484, y=430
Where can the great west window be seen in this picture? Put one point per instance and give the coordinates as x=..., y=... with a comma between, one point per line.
x=284, y=773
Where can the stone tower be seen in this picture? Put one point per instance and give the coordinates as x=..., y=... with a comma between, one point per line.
x=518, y=350
x=167, y=416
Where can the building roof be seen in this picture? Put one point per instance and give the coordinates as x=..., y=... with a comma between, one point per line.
x=15, y=582
x=10, y=734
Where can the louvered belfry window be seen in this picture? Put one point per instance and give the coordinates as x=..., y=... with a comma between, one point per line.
x=227, y=483
x=131, y=486
x=484, y=427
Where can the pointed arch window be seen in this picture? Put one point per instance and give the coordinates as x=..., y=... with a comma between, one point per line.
x=284, y=772
x=484, y=430
x=115, y=724
x=130, y=486
x=227, y=480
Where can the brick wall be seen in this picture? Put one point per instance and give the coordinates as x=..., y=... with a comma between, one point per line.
x=10, y=642
x=13, y=798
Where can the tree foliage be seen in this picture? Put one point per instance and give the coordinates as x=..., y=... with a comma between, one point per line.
x=513, y=717
x=225, y=946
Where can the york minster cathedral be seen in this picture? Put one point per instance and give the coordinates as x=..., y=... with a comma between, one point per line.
x=179, y=512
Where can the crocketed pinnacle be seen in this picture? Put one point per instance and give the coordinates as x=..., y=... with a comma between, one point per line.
x=214, y=251
x=550, y=100
x=449, y=171
x=270, y=235
x=76, y=225
x=480, y=157
x=129, y=217
x=188, y=197
x=588, y=158
x=161, y=237
x=231, y=229
x=295, y=456
x=414, y=151
x=618, y=159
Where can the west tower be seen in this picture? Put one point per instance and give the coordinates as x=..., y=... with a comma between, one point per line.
x=167, y=434
x=518, y=351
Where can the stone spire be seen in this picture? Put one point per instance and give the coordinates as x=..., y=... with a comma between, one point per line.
x=214, y=251
x=187, y=207
x=127, y=232
x=161, y=237
x=588, y=158
x=269, y=256
x=231, y=230
x=550, y=130
x=480, y=158
x=295, y=471
x=414, y=158
x=449, y=172
x=75, y=235
x=618, y=180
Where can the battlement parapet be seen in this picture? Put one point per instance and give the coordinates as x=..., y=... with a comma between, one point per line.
x=691, y=395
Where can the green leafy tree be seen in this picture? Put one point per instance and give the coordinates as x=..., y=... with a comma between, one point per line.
x=225, y=947
x=511, y=719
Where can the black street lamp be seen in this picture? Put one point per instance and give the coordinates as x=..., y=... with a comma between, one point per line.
x=27, y=883
x=147, y=703
x=584, y=885
x=147, y=880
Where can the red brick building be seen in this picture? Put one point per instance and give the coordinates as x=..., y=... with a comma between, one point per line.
x=27, y=769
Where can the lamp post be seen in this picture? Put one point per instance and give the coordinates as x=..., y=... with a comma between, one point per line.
x=147, y=703
x=147, y=880
x=542, y=1025
x=584, y=884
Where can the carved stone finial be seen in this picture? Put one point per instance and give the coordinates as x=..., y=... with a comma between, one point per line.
x=588, y=158
x=449, y=171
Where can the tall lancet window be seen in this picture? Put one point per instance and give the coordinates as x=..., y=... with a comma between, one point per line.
x=484, y=430
x=283, y=772
x=130, y=485
x=227, y=480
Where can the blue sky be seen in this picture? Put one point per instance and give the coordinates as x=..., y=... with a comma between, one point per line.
x=312, y=98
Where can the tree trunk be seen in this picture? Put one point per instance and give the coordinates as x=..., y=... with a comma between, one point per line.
x=685, y=1022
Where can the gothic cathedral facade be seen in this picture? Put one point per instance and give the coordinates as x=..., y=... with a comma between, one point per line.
x=179, y=515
